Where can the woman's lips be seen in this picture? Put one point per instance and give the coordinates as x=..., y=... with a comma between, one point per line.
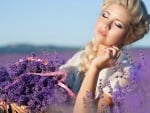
x=103, y=33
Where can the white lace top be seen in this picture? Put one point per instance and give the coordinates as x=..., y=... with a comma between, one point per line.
x=110, y=80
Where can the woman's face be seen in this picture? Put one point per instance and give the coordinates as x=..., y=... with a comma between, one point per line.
x=112, y=26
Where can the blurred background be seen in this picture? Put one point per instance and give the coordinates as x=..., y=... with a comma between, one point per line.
x=59, y=26
x=62, y=26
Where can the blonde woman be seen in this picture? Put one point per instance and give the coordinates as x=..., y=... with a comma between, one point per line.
x=121, y=22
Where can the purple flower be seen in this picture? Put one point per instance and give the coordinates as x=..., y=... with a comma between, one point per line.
x=36, y=92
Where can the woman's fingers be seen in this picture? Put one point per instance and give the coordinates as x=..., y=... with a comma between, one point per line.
x=114, y=52
x=118, y=52
x=107, y=56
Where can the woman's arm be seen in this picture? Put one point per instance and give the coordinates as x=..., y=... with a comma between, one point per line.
x=91, y=77
x=88, y=85
x=104, y=101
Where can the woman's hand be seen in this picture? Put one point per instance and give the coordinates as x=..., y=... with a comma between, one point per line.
x=106, y=57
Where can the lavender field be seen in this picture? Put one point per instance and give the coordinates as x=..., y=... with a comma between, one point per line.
x=6, y=59
x=137, y=103
x=136, y=55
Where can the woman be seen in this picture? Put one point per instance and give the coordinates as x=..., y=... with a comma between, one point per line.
x=121, y=22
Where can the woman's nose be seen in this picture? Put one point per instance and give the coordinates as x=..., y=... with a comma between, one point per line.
x=105, y=27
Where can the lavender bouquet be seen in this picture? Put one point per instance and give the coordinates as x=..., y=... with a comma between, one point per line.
x=34, y=84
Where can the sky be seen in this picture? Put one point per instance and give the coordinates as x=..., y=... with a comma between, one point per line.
x=51, y=22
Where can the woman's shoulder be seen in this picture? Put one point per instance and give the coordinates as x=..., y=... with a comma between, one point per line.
x=73, y=79
x=73, y=61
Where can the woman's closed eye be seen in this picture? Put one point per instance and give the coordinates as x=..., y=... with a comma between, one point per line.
x=105, y=14
x=118, y=24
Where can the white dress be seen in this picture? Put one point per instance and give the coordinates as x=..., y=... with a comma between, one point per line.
x=120, y=82
x=110, y=79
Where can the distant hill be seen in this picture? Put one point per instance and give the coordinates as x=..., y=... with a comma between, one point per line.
x=25, y=48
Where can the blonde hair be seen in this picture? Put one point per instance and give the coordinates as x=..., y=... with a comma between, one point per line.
x=89, y=53
x=140, y=18
x=139, y=26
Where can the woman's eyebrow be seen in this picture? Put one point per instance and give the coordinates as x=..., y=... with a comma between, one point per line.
x=107, y=12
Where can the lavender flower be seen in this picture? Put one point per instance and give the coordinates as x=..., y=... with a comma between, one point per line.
x=4, y=78
x=35, y=92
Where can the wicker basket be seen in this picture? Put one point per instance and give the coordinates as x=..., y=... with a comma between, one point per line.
x=18, y=109
x=12, y=108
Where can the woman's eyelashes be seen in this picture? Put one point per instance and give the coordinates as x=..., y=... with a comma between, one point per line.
x=105, y=14
x=119, y=25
